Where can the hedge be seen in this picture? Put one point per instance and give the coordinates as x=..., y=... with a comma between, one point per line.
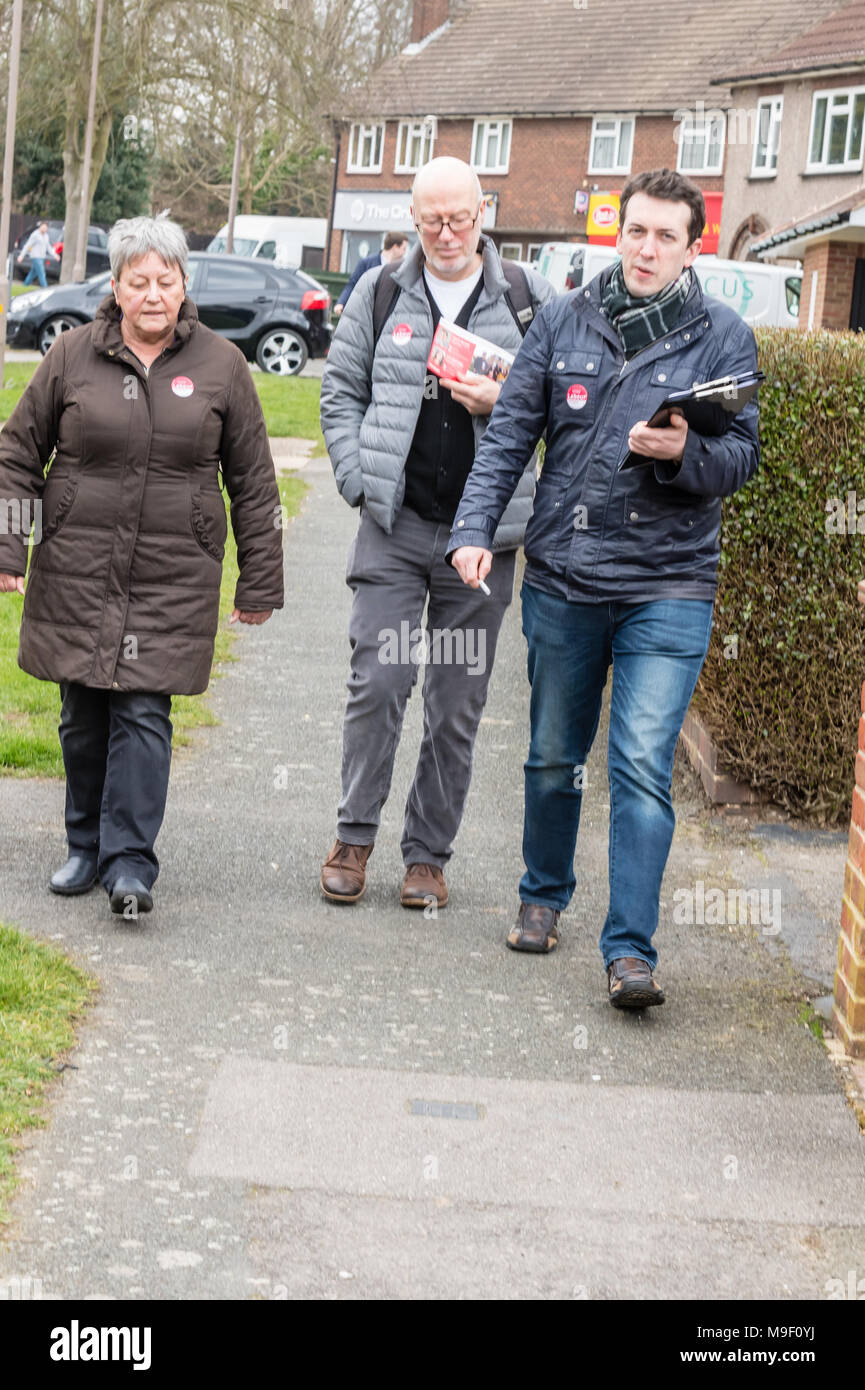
x=780, y=690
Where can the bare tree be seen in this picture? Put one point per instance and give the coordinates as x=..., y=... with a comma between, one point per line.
x=56, y=83
x=276, y=75
x=197, y=74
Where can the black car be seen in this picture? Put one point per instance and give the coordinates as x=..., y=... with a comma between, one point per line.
x=97, y=251
x=277, y=317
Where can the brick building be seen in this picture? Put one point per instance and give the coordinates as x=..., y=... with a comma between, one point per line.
x=794, y=185
x=794, y=127
x=830, y=242
x=551, y=104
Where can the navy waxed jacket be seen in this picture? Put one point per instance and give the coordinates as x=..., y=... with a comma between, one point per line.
x=597, y=534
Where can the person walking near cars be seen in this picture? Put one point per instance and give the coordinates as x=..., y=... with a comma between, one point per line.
x=620, y=564
x=401, y=444
x=141, y=409
x=38, y=247
x=393, y=249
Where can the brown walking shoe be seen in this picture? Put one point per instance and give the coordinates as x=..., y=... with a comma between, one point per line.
x=423, y=884
x=535, y=929
x=631, y=984
x=343, y=874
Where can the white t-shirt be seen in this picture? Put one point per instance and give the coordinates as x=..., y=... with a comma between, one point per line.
x=451, y=295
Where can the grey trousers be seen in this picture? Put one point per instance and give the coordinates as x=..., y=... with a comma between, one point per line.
x=392, y=577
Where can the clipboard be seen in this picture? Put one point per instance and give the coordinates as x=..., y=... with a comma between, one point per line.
x=709, y=408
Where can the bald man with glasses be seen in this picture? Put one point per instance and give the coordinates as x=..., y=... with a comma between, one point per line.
x=402, y=443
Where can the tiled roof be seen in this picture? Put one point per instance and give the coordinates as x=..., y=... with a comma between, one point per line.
x=836, y=40
x=830, y=215
x=509, y=57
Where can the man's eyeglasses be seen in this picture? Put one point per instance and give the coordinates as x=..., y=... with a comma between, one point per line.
x=460, y=222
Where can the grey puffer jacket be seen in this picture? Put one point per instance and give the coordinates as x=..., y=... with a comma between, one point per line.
x=371, y=394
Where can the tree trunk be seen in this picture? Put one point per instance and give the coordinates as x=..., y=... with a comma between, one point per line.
x=247, y=173
x=73, y=169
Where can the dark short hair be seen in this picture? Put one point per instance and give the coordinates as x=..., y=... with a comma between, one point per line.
x=675, y=188
x=393, y=239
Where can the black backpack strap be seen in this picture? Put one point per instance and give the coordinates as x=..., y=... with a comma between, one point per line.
x=519, y=296
x=385, y=297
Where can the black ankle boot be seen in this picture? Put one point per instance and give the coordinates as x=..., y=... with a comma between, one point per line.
x=78, y=875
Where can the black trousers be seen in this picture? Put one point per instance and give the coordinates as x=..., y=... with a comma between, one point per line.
x=117, y=753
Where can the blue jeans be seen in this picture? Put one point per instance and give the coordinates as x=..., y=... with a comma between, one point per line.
x=37, y=268
x=657, y=650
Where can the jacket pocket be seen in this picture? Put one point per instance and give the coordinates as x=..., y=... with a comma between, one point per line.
x=685, y=517
x=211, y=540
x=546, y=525
x=59, y=515
x=573, y=381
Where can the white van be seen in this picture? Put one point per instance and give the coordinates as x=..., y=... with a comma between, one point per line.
x=767, y=294
x=278, y=239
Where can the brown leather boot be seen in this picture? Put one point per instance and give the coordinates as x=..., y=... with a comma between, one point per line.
x=632, y=985
x=423, y=884
x=536, y=929
x=343, y=874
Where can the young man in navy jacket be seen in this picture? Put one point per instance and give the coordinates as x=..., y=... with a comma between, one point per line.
x=620, y=564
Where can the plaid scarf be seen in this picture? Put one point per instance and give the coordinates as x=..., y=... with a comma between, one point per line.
x=639, y=322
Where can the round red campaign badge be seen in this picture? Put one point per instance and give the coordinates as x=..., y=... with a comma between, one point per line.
x=402, y=333
x=182, y=386
x=577, y=396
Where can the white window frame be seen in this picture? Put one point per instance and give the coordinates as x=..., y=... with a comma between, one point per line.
x=511, y=246
x=616, y=122
x=833, y=96
x=357, y=135
x=487, y=126
x=535, y=249
x=407, y=133
x=687, y=126
x=775, y=106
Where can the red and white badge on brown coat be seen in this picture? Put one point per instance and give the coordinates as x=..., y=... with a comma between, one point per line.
x=182, y=386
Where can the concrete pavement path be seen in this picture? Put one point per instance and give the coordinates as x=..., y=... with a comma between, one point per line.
x=275, y=1097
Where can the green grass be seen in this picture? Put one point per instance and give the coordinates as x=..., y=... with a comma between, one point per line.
x=16, y=376
x=809, y=1017
x=41, y=993
x=30, y=709
x=290, y=404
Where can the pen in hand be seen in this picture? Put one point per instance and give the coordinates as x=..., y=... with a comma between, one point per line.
x=482, y=585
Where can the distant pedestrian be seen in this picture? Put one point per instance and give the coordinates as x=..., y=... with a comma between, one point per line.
x=139, y=412
x=38, y=247
x=394, y=248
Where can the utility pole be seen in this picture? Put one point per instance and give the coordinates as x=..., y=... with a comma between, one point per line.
x=84, y=210
x=8, y=159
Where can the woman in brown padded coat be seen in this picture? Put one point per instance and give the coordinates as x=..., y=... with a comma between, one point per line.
x=137, y=414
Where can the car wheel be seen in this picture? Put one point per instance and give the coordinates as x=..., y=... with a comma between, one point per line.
x=282, y=351
x=53, y=327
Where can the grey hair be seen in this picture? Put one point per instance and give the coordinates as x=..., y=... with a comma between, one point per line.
x=132, y=237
